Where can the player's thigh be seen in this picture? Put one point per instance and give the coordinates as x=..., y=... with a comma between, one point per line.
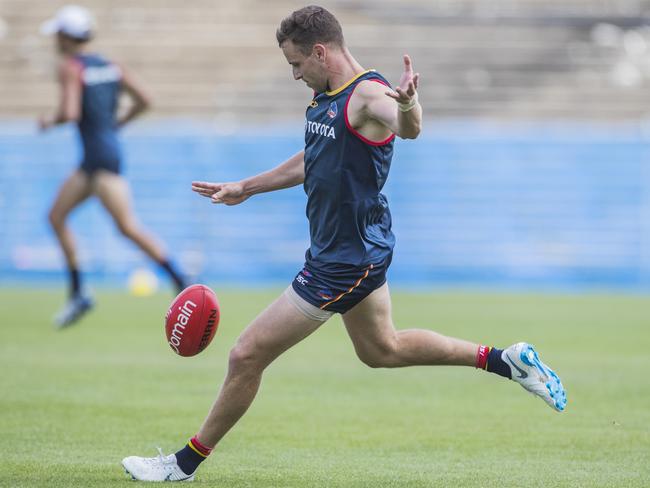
x=115, y=195
x=370, y=325
x=277, y=328
x=75, y=189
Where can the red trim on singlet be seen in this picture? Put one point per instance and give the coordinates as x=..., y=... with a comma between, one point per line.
x=356, y=132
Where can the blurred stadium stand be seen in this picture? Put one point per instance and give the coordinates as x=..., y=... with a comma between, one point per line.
x=502, y=58
x=534, y=167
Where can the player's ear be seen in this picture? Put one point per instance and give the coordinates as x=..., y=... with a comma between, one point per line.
x=319, y=52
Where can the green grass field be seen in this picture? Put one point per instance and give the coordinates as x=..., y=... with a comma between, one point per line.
x=74, y=402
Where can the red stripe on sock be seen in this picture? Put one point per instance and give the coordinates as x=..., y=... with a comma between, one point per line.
x=482, y=357
x=205, y=450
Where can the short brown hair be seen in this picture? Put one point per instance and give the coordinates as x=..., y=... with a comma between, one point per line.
x=308, y=26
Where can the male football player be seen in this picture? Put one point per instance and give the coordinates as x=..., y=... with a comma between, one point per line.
x=350, y=128
x=90, y=87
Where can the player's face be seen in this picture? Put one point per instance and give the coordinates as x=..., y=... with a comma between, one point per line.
x=65, y=45
x=305, y=68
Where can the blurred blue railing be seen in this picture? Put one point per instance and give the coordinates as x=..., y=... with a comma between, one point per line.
x=539, y=204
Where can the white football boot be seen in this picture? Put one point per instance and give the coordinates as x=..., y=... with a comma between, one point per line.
x=160, y=468
x=536, y=377
x=73, y=310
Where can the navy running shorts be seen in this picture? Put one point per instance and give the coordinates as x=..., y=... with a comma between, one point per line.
x=339, y=287
x=90, y=166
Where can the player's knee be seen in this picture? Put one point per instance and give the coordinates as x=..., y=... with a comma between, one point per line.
x=55, y=218
x=381, y=355
x=373, y=361
x=127, y=229
x=242, y=358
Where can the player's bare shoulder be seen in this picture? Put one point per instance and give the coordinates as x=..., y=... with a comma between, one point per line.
x=69, y=68
x=367, y=94
x=371, y=88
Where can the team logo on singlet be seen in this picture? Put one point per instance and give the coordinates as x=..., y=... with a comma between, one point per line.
x=333, y=110
x=313, y=104
x=96, y=75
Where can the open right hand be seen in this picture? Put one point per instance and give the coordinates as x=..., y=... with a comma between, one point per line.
x=408, y=84
x=227, y=193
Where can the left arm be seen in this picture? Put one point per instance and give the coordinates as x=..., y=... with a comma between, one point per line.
x=139, y=96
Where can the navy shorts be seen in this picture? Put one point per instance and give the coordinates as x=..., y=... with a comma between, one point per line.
x=90, y=166
x=339, y=287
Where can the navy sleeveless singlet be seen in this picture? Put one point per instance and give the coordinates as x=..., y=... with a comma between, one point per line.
x=101, y=83
x=349, y=219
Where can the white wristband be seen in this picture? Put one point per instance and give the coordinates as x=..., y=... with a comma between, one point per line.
x=406, y=107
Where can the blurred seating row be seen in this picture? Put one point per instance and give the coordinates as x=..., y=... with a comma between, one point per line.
x=578, y=59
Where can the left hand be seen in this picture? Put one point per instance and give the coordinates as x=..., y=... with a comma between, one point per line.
x=44, y=123
x=408, y=84
x=227, y=193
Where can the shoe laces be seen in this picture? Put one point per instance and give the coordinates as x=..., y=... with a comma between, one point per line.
x=160, y=461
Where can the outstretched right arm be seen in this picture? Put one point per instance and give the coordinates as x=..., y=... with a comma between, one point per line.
x=288, y=174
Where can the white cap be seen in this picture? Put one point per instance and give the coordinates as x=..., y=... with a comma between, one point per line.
x=71, y=20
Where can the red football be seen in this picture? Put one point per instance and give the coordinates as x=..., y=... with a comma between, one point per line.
x=192, y=320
